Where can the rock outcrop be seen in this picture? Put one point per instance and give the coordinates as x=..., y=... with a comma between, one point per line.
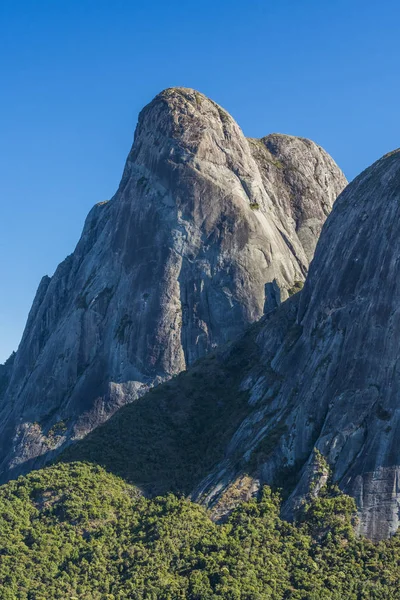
x=312, y=387
x=206, y=232
x=328, y=377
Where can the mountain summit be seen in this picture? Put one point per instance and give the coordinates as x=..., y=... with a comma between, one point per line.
x=207, y=231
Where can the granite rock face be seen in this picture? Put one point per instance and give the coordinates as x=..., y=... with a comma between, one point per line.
x=328, y=374
x=207, y=231
x=295, y=171
x=312, y=387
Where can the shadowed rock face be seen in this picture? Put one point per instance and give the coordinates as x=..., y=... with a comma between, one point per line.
x=206, y=231
x=328, y=376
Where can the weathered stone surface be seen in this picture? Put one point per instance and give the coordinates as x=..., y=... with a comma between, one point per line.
x=296, y=172
x=328, y=376
x=319, y=372
x=206, y=231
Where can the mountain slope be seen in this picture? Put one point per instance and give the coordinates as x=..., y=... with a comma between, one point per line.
x=318, y=372
x=206, y=232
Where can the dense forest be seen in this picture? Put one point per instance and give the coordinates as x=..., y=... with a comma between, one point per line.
x=75, y=531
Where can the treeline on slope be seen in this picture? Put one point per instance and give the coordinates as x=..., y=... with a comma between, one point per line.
x=170, y=439
x=76, y=531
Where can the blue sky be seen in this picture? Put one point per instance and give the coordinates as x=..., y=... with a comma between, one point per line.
x=75, y=73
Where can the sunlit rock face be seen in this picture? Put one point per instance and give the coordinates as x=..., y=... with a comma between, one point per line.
x=207, y=231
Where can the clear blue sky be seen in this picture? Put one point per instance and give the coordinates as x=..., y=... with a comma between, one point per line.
x=75, y=73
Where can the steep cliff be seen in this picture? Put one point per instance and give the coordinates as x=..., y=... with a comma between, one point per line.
x=316, y=377
x=334, y=384
x=331, y=382
x=206, y=232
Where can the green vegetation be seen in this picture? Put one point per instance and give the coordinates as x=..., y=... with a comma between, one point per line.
x=58, y=429
x=199, y=98
x=382, y=413
x=392, y=153
x=55, y=433
x=254, y=205
x=81, y=301
x=297, y=287
x=223, y=115
x=267, y=444
x=124, y=324
x=277, y=163
x=77, y=532
x=142, y=182
x=178, y=432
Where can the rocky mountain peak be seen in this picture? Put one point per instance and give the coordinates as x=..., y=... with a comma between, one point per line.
x=205, y=233
x=183, y=129
x=183, y=114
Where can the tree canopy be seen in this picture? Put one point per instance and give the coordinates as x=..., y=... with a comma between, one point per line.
x=75, y=531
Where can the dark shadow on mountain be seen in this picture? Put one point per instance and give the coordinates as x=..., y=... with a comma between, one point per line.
x=171, y=438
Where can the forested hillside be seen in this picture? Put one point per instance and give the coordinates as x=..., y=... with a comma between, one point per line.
x=75, y=531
